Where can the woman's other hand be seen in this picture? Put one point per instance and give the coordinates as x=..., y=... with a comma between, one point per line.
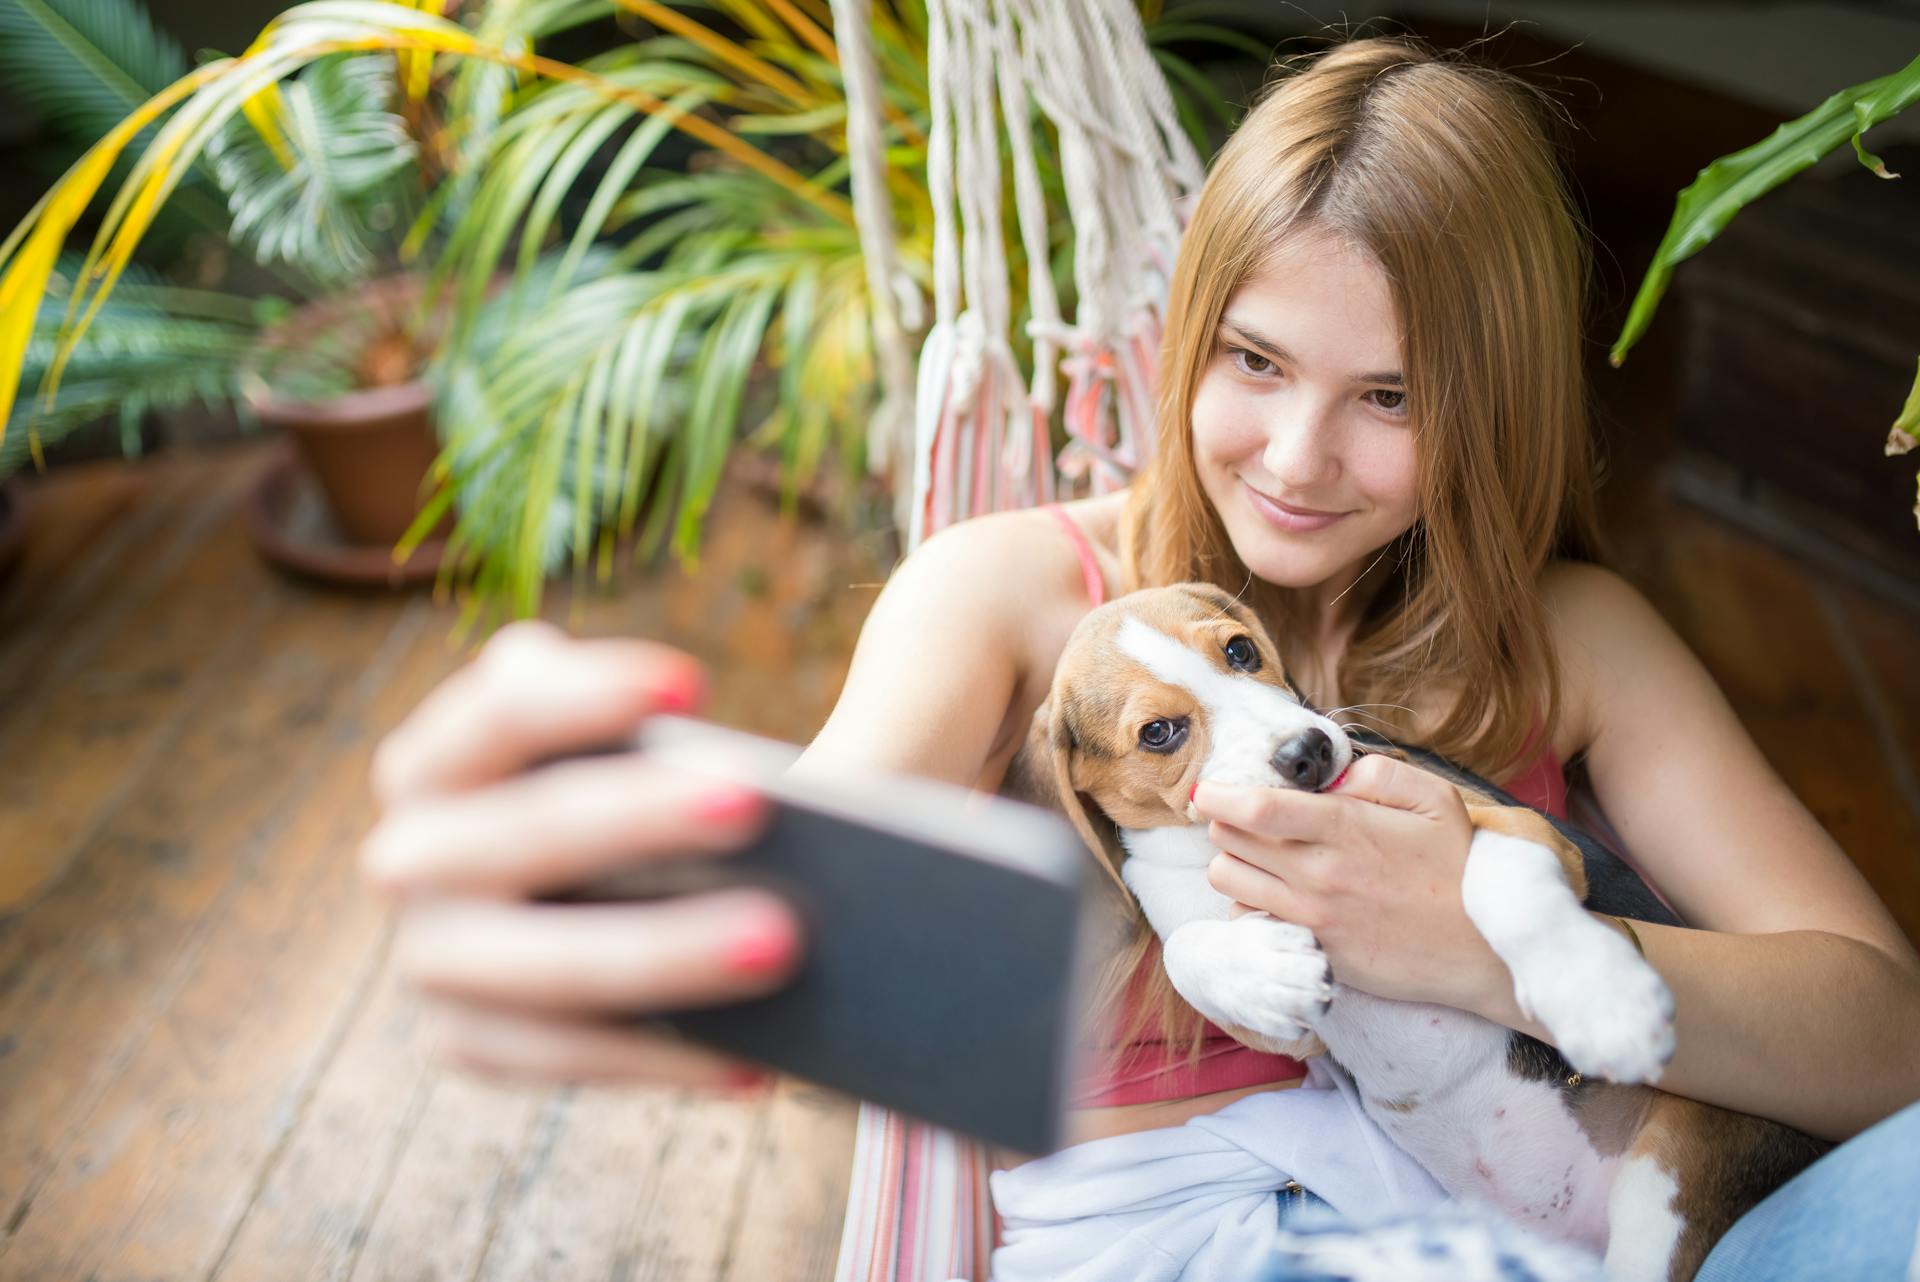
x=1373, y=869
x=469, y=831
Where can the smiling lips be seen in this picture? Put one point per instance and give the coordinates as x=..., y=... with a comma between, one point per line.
x=1299, y=520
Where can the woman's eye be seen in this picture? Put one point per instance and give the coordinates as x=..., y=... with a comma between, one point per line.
x=1250, y=362
x=1242, y=654
x=1396, y=402
x=1163, y=734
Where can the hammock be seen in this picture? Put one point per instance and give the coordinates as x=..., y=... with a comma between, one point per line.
x=978, y=435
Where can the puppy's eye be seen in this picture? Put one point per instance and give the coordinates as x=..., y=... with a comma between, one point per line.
x=1242, y=654
x=1163, y=735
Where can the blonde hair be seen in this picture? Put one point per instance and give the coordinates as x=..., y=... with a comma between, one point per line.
x=1446, y=174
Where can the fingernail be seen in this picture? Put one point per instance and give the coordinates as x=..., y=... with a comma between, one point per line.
x=684, y=692
x=749, y=1080
x=1193, y=792
x=728, y=807
x=763, y=948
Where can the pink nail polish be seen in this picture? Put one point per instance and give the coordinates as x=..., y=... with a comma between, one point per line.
x=726, y=807
x=766, y=947
x=684, y=692
x=748, y=1078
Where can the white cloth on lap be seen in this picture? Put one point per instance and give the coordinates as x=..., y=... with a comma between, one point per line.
x=1196, y=1202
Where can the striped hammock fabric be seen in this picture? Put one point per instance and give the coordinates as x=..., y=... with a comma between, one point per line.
x=918, y=1208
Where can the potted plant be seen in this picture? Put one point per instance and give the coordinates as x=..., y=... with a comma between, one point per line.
x=607, y=324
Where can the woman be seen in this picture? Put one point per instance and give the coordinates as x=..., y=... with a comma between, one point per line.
x=1373, y=427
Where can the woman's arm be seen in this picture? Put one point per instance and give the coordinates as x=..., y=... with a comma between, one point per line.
x=942, y=656
x=1797, y=996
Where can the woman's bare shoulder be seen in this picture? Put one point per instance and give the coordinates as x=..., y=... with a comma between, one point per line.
x=959, y=648
x=1024, y=554
x=1599, y=622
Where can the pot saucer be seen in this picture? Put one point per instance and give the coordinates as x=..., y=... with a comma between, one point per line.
x=288, y=521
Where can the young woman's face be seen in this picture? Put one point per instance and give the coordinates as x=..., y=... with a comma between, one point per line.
x=1301, y=431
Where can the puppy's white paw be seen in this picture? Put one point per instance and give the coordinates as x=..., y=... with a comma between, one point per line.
x=1608, y=1011
x=1253, y=972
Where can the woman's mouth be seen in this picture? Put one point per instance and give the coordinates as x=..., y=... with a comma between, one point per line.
x=1284, y=516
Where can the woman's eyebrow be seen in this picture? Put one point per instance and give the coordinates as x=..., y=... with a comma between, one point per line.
x=1389, y=377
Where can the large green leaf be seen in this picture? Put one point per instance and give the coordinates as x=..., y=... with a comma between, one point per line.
x=1734, y=181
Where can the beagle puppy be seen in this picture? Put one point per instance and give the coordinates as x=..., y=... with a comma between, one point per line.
x=1167, y=686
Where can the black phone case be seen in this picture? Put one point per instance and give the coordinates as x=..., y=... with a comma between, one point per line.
x=935, y=982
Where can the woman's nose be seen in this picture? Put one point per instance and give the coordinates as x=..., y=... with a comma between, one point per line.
x=1300, y=449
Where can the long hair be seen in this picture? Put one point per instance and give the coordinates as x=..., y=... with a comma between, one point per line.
x=1446, y=173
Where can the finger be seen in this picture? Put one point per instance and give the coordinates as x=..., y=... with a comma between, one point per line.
x=530, y=1048
x=532, y=694
x=1256, y=888
x=1300, y=863
x=1399, y=784
x=601, y=959
x=1271, y=812
x=556, y=827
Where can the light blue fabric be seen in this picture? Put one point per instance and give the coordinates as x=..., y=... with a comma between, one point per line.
x=1854, y=1214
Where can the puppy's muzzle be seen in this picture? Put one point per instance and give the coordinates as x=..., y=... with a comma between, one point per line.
x=1305, y=761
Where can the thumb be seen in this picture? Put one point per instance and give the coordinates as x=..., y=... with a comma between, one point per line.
x=1391, y=782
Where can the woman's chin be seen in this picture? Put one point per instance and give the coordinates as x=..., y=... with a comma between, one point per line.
x=1288, y=562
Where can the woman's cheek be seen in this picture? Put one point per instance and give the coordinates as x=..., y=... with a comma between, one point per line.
x=1226, y=422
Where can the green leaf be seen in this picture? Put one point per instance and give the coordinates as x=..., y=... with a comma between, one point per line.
x=1904, y=435
x=337, y=211
x=85, y=64
x=720, y=378
x=1732, y=182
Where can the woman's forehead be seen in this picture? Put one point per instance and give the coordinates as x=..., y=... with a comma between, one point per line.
x=1323, y=303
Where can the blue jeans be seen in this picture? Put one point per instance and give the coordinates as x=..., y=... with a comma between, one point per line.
x=1853, y=1214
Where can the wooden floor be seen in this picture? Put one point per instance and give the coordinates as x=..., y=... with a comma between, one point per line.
x=205, y=1068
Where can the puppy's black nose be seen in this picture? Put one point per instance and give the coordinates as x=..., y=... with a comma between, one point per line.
x=1306, y=760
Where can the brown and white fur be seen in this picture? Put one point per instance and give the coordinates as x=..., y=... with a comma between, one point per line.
x=1652, y=1179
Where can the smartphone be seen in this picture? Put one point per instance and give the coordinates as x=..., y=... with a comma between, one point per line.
x=949, y=935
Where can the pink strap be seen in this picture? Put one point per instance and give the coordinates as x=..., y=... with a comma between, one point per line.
x=1089, y=566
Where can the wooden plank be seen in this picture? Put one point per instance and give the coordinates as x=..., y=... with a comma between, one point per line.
x=453, y=1168
x=92, y=972
x=795, y=1197
x=313, y=1082
x=682, y=1222
x=100, y=545
x=111, y=707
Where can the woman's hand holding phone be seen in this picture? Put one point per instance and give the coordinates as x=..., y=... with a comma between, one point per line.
x=472, y=827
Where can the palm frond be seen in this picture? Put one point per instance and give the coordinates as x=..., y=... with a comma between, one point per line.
x=84, y=64
x=331, y=208
x=154, y=346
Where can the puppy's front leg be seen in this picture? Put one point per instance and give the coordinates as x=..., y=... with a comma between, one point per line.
x=1254, y=973
x=1609, y=1012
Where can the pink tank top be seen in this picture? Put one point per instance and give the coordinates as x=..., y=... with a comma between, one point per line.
x=1148, y=1070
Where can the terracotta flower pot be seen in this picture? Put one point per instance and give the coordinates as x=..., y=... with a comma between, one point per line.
x=369, y=449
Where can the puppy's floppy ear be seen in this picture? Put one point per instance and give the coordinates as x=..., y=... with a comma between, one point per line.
x=1095, y=829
